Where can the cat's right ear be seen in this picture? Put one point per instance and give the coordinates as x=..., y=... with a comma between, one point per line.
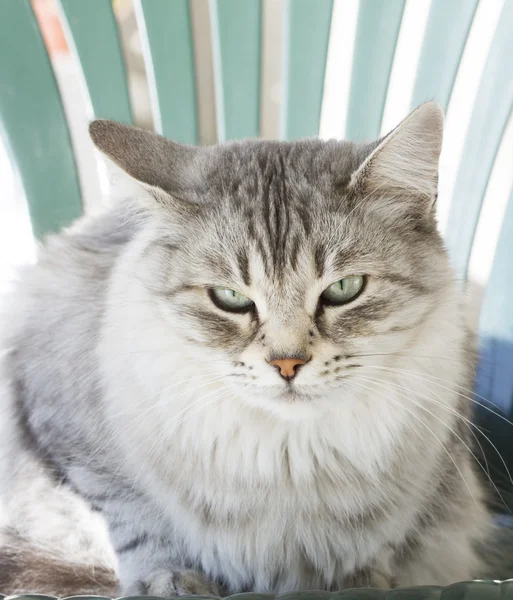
x=404, y=165
x=153, y=160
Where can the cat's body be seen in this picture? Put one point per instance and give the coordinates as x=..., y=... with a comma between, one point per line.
x=162, y=412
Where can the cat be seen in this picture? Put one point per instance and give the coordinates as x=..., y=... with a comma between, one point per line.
x=255, y=371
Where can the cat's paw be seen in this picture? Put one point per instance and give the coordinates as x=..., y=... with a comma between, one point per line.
x=381, y=580
x=168, y=583
x=369, y=577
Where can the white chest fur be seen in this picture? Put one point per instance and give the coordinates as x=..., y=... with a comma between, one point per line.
x=251, y=494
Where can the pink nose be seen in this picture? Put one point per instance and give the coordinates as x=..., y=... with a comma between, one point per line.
x=288, y=366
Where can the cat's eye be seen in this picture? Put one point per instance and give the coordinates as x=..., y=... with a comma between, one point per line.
x=344, y=290
x=230, y=300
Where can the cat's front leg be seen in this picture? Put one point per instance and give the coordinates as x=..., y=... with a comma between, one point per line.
x=152, y=568
x=154, y=564
x=172, y=582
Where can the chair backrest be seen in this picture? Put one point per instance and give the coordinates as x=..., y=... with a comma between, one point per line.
x=35, y=130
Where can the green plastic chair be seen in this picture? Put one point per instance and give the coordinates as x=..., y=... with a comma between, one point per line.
x=33, y=123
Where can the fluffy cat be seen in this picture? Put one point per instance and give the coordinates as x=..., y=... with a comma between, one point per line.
x=255, y=371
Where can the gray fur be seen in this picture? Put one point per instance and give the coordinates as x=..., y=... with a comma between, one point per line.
x=113, y=344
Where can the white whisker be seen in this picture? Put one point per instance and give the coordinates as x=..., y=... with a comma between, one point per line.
x=406, y=397
x=433, y=378
x=416, y=417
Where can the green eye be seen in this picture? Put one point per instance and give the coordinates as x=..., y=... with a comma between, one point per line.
x=230, y=300
x=343, y=291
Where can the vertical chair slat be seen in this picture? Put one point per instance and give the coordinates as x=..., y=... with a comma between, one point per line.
x=376, y=38
x=489, y=118
x=236, y=39
x=307, y=31
x=169, y=57
x=33, y=123
x=92, y=32
x=444, y=40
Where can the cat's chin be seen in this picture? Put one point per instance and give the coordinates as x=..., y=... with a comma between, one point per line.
x=291, y=395
x=290, y=404
x=288, y=394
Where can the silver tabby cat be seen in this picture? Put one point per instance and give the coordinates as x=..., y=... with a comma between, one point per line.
x=254, y=371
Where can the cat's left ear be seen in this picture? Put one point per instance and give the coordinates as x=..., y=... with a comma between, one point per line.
x=404, y=166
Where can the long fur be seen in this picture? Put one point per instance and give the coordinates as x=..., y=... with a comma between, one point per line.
x=126, y=390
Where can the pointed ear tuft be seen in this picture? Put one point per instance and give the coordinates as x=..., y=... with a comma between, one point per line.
x=151, y=159
x=405, y=163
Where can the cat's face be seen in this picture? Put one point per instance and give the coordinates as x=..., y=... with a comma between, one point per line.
x=288, y=267
x=281, y=265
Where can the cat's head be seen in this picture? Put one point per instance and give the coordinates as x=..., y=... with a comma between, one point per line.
x=291, y=265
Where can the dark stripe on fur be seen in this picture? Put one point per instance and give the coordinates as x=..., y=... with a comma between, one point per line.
x=29, y=436
x=133, y=544
x=243, y=262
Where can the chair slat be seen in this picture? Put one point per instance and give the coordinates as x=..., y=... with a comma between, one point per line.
x=92, y=32
x=307, y=31
x=376, y=38
x=489, y=118
x=236, y=39
x=444, y=40
x=169, y=57
x=495, y=374
x=33, y=122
